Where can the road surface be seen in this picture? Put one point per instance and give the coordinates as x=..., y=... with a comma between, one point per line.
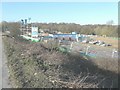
x=97, y=51
x=3, y=67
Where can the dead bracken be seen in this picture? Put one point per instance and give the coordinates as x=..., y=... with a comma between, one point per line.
x=36, y=65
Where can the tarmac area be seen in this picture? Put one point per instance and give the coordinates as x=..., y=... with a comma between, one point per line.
x=95, y=51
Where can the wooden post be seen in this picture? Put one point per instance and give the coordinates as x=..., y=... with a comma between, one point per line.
x=113, y=53
x=87, y=49
x=71, y=45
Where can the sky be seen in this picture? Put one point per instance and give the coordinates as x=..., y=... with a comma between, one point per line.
x=68, y=12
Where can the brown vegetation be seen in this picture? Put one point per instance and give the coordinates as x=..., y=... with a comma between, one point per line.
x=36, y=65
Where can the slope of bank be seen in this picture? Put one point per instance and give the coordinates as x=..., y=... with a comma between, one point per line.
x=33, y=65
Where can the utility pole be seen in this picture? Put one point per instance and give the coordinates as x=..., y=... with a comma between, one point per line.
x=26, y=26
x=29, y=19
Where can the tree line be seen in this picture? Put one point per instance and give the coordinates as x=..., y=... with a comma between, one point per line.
x=108, y=30
x=98, y=29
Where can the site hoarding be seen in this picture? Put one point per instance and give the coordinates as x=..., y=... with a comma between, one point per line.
x=72, y=36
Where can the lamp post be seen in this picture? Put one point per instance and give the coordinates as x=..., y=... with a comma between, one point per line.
x=22, y=23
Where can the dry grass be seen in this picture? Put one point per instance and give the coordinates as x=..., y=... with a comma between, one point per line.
x=108, y=40
x=107, y=64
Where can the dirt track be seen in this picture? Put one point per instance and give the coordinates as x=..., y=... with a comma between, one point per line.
x=3, y=66
x=0, y=61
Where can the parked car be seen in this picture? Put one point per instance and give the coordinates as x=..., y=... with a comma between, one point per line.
x=103, y=45
x=108, y=45
x=85, y=41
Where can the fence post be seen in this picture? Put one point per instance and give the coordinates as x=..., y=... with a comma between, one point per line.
x=113, y=53
x=71, y=45
x=87, y=49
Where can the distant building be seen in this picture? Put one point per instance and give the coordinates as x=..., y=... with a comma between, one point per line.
x=74, y=33
x=34, y=32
